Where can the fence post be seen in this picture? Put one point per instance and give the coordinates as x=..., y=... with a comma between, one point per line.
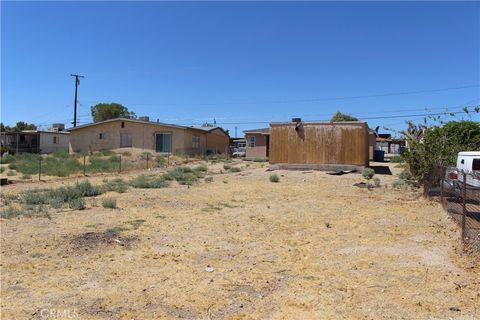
x=40, y=168
x=147, y=161
x=168, y=160
x=84, y=165
x=120, y=164
x=464, y=196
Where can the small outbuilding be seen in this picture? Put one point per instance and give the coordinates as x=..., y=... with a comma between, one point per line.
x=258, y=146
x=319, y=145
x=34, y=141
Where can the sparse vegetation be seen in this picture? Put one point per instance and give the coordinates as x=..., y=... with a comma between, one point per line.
x=76, y=204
x=161, y=161
x=208, y=179
x=258, y=159
x=117, y=229
x=149, y=182
x=405, y=181
x=227, y=167
x=368, y=174
x=136, y=223
x=10, y=173
x=118, y=185
x=7, y=159
x=31, y=200
x=274, y=178
x=397, y=159
x=235, y=169
x=109, y=203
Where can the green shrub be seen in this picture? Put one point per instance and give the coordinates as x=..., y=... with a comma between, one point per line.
x=396, y=159
x=146, y=155
x=376, y=181
x=86, y=189
x=26, y=177
x=161, y=161
x=368, y=173
x=8, y=158
x=2, y=169
x=60, y=154
x=258, y=159
x=145, y=182
x=235, y=169
x=201, y=168
x=405, y=175
x=101, y=165
x=117, y=185
x=76, y=204
x=209, y=179
x=438, y=145
x=12, y=166
x=227, y=167
x=60, y=164
x=126, y=153
x=183, y=175
x=109, y=203
x=106, y=153
x=274, y=178
x=34, y=196
x=10, y=173
x=8, y=212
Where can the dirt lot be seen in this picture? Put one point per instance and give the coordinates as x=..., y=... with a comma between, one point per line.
x=309, y=247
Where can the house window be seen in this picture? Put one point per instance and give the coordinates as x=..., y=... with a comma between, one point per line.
x=251, y=142
x=163, y=142
x=123, y=124
x=196, y=142
x=102, y=136
x=55, y=140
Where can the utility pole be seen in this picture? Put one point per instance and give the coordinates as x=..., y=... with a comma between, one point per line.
x=77, y=82
x=235, y=131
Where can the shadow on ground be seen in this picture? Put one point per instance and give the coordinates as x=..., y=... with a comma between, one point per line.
x=382, y=170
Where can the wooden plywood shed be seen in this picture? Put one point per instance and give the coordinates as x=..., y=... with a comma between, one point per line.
x=340, y=144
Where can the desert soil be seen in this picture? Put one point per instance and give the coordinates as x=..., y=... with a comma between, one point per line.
x=312, y=246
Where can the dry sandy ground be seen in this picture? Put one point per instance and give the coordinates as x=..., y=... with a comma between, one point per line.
x=309, y=247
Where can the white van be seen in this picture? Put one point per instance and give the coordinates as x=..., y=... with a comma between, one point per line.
x=468, y=162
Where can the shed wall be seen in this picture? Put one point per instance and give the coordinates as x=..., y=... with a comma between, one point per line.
x=319, y=143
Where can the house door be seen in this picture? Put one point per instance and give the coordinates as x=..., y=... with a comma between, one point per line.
x=267, y=145
x=163, y=142
x=125, y=140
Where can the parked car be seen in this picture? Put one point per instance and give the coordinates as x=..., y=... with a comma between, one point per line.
x=468, y=163
x=239, y=152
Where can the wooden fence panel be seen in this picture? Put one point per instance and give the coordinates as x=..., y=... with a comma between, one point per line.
x=319, y=143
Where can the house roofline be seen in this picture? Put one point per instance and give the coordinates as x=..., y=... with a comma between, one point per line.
x=129, y=120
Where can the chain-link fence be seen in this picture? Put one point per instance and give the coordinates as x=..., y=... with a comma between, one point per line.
x=459, y=194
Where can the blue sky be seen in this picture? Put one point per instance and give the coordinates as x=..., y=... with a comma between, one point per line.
x=243, y=64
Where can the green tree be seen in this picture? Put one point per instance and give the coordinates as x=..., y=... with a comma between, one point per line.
x=105, y=111
x=339, y=117
x=20, y=126
x=438, y=145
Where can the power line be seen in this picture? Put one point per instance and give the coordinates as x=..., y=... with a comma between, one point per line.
x=305, y=100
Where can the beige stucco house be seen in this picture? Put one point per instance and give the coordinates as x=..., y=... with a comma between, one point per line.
x=149, y=136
